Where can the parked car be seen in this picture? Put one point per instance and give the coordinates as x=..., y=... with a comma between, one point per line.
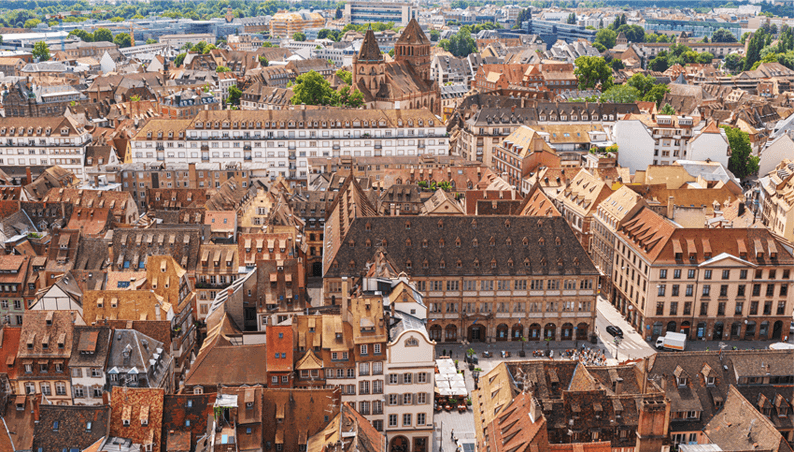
x=615, y=331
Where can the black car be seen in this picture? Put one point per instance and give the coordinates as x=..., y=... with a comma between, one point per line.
x=615, y=331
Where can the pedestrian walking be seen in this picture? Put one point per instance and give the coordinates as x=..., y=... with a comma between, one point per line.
x=452, y=434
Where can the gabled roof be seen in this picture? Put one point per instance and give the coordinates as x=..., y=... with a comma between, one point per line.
x=370, y=51
x=413, y=34
x=70, y=427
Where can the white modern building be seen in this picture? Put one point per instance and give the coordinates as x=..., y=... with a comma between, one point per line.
x=662, y=140
x=286, y=139
x=360, y=12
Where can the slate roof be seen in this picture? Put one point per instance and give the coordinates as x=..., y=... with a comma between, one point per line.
x=90, y=347
x=738, y=428
x=134, y=353
x=370, y=51
x=70, y=427
x=488, y=245
x=726, y=367
x=138, y=244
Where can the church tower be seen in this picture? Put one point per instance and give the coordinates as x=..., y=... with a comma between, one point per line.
x=369, y=69
x=413, y=48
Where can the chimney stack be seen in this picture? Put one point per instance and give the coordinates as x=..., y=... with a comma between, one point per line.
x=670, y=208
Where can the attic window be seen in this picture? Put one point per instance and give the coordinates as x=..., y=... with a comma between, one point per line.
x=475, y=243
x=408, y=264
x=424, y=243
x=440, y=224
x=525, y=241
x=408, y=242
x=407, y=225
x=442, y=264
x=557, y=241
x=459, y=263
x=441, y=243
x=476, y=263
x=541, y=241
x=457, y=242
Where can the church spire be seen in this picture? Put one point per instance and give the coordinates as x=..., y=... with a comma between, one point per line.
x=369, y=48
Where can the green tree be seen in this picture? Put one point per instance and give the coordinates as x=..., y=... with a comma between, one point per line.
x=339, y=13
x=151, y=41
x=571, y=18
x=199, y=47
x=460, y=44
x=117, y=19
x=705, y=58
x=103, y=34
x=621, y=94
x=391, y=53
x=617, y=64
x=312, y=88
x=346, y=76
x=41, y=51
x=660, y=63
x=179, y=59
x=83, y=35
x=299, y=36
x=633, y=33
x=742, y=162
x=593, y=71
x=656, y=94
x=434, y=35
x=347, y=98
x=122, y=40
x=723, y=35
x=754, y=46
x=209, y=48
x=606, y=37
x=234, y=96
x=268, y=44
x=667, y=110
x=734, y=62
x=263, y=61
x=31, y=23
x=744, y=37
x=600, y=47
x=642, y=83
x=221, y=69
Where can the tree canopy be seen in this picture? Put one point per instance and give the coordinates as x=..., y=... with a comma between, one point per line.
x=312, y=88
x=621, y=94
x=103, y=34
x=41, y=51
x=606, y=37
x=742, y=162
x=299, y=36
x=593, y=71
x=122, y=40
x=723, y=35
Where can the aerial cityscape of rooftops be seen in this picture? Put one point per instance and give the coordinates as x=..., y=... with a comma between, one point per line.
x=396, y=226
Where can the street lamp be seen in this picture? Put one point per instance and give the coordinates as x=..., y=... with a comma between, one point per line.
x=617, y=344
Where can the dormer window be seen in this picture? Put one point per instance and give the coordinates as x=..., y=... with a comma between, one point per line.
x=680, y=381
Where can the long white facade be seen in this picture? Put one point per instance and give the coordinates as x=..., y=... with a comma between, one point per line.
x=285, y=139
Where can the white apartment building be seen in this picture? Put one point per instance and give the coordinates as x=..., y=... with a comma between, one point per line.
x=410, y=368
x=284, y=140
x=45, y=141
x=662, y=140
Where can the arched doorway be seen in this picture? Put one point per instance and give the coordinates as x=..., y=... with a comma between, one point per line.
x=736, y=330
x=671, y=326
x=777, y=330
x=701, y=330
x=567, y=331
x=534, y=332
x=581, y=331
x=435, y=333
x=550, y=331
x=685, y=327
x=718, y=331
x=657, y=328
x=501, y=332
x=451, y=333
x=476, y=333
x=518, y=332
x=749, y=332
x=399, y=444
x=763, y=332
